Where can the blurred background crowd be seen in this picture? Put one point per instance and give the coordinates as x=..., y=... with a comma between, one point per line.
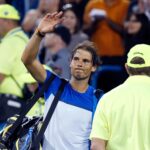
x=113, y=25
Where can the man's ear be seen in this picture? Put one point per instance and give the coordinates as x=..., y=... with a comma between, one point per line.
x=2, y=77
x=126, y=67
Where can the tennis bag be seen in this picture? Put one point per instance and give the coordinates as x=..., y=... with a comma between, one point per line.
x=25, y=133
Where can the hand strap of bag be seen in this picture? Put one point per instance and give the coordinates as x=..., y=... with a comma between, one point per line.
x=49, y=115
x=29, y=105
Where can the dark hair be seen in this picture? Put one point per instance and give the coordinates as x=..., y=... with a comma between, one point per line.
x=145, y=29
x=91, y=48
x=144, y=32
x=71, y=7
x=137, y=60
x=142, y=36
x=63, y=32
x=138, y=71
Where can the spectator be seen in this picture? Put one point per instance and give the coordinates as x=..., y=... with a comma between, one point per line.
x=106, y=19
x=71, y=21
x=34, y=16
x=71, y=122
x=11, y=68
x=137, y=30
x=122, y=117
x=79, y=7
x=140, y=6
x=58, y=56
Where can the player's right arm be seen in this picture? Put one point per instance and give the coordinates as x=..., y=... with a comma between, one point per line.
x=29, y=57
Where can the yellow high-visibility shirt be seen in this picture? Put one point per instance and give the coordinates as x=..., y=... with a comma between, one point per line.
x=123, y=116
x=11, y=49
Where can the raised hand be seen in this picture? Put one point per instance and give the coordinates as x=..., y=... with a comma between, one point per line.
x=49, y=21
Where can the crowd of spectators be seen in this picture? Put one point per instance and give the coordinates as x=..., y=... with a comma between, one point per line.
x=114, y=25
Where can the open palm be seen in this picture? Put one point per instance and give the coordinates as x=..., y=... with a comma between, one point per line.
x=49, y=21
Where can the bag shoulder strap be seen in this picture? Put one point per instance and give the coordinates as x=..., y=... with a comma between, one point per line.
x=49, y=114
x=29, y=105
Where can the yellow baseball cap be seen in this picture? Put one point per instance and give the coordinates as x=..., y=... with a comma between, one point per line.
x=9, y=12
x=140, y=50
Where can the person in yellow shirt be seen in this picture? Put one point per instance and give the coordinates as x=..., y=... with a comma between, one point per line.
x=13, y=42
x=122, y=118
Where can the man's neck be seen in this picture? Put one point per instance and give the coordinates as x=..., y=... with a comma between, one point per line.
x=9, y=29
x=79, y=85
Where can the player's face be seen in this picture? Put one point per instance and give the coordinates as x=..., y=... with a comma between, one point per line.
x=82, y=65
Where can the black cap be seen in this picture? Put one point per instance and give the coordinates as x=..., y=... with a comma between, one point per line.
x=63, y=32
